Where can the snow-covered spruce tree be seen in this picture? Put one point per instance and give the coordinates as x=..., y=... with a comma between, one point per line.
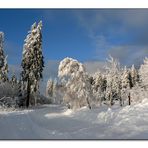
x=98, y=87
x=113, y=86
x=3, y=60
x=32, y=62
x=76, y=81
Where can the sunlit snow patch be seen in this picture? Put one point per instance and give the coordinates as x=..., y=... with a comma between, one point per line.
x=68, y=112
x=10, y=111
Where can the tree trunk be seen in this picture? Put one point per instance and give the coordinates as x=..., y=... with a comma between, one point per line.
x=88, y=102
x=110, y=99
x=120, y=101
x=129, y=99
x=35, y=95
x=100, y=100
x=28, y=93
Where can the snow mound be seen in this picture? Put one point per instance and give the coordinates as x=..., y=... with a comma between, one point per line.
x=105, y=116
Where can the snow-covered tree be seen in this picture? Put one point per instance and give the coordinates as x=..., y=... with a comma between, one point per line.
x=113, y=75
x=55, y=84
x=49, y=88
x=98, y=87
x=76, y=81
x=57, y=96
x=3, y=60
x=143, y=72
x=20, y=97
x=32, y=61
x=54, y=91
x=130, y=79
x=126, y=78
x=134, y=75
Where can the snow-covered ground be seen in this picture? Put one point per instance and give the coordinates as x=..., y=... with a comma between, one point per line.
x=57, y=122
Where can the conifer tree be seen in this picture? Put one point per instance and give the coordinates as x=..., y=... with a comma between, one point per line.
x=3, y=60
x=32, y=61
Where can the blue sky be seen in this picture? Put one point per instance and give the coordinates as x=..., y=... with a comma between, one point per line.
x=83, y=34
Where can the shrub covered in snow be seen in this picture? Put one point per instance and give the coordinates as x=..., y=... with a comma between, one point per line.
x=10, y=94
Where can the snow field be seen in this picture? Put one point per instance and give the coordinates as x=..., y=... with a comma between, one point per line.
x=57, y=122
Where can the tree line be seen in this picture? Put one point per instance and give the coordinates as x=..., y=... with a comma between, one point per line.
x=116, y=84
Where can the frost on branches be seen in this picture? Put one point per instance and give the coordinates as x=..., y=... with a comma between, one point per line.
x=3, y=61
x=32, y=62
x=76, y=81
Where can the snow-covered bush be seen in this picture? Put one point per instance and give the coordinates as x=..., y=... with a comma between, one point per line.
x=10, y=94
x=138, y=94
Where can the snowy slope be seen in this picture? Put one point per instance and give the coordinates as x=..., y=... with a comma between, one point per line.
x=56, y=122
